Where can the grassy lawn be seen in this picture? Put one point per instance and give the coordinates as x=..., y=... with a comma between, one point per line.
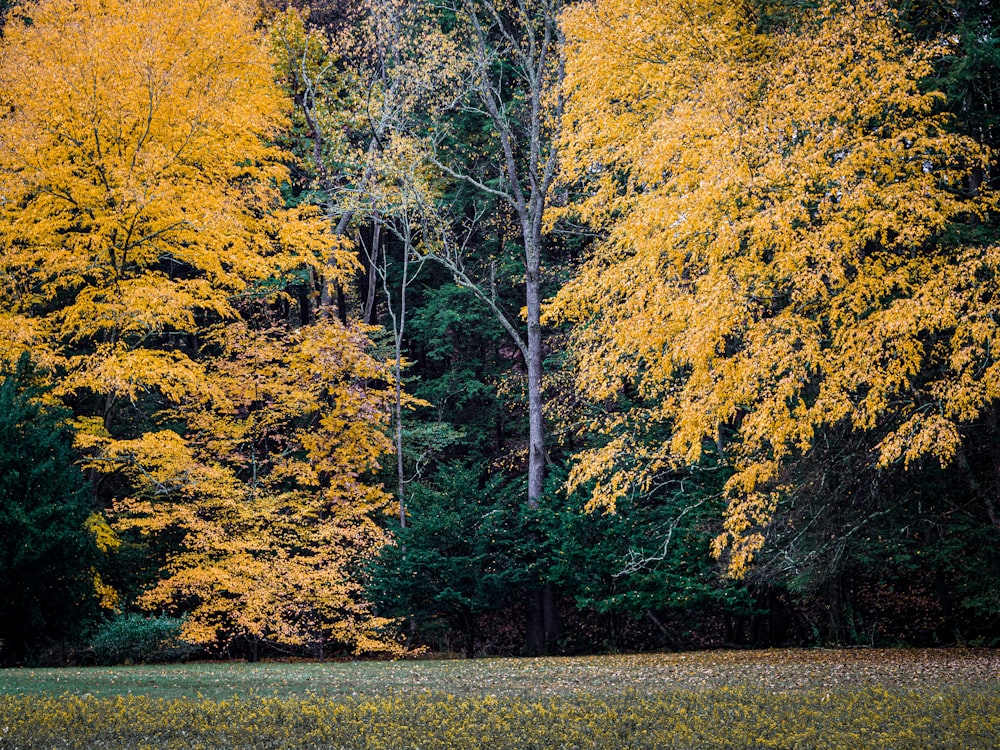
x=732, y=699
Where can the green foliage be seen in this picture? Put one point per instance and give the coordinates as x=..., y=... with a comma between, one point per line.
x=967, y=71
x=472, y=548
x=652, y=554
x=460, y=360
x=136, y=639
x=457, y=557
x=46, y=553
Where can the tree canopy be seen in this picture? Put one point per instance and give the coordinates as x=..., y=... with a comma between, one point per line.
x=785, y=213
x=148, y=257
x=679, y=317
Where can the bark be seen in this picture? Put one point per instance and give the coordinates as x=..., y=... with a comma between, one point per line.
x=528, y=180
x=529, y=176
x=401, y=224
x=536, y=421
x=543, y=622
x=372, y=274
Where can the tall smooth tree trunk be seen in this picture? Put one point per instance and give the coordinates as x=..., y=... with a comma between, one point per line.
x=525, y=36
x=536, y=419
x=529, y=164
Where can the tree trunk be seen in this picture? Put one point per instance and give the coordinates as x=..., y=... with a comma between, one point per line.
x=371, y=275
x=528, y=163
x=469, y=621
x=543, y=623
x=536, y=421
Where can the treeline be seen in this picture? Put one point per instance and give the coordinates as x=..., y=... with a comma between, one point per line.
x=497, y=327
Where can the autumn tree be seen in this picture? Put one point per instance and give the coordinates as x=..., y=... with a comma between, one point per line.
x=784, y=256
x=356, y=87
x=149, y=259
x=516, y=70
x=267, y=491
x=135, y=181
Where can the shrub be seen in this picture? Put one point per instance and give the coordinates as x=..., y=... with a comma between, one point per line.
x=133, y=638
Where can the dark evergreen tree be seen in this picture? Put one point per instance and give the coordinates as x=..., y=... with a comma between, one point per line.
x=47, y=556
x=453, y=561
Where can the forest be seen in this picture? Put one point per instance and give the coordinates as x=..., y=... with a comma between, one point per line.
x=361, y=328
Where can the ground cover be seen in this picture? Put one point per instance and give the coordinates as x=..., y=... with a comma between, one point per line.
x=723, y=699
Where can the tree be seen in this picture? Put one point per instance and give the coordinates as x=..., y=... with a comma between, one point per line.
x=356, y=85
x=516, y=74
x=453, y=561
x=785, y=252
x=137, y=186
x=356, y=90
x=47, y=552
x=148, y=255
x=266, y=493
x=514, y=85
x=424, y=74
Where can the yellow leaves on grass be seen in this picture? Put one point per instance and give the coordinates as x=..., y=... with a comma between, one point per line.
x=773, y=203
x=708, y=712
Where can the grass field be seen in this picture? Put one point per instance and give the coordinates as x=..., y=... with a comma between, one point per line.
x=721, y=699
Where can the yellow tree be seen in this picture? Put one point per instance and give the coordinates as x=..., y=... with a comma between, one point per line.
x=267, y=492
x=136, y=182
x=779, y=208
x=146, y=252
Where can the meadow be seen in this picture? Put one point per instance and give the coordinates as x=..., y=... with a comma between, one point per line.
x=947, y=698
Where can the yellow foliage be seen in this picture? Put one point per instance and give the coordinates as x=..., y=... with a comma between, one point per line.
x=137, y=187
x=106, y=540
x=104, y=536
x=268, y=491
x=141, y=224
x=772, y=204
x=107, y=596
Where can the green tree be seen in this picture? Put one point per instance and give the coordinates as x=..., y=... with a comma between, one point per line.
x=649, y=560
x=47, y=552
x=445, y=569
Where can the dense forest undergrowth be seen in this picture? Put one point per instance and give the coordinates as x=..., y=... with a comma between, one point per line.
x=497, y=327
